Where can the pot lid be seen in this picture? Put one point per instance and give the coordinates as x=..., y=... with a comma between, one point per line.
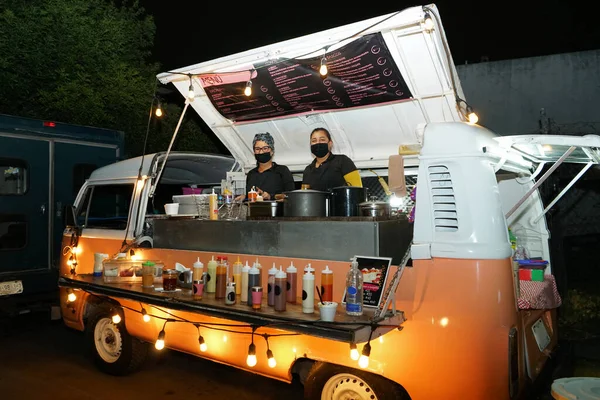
x=395, y=70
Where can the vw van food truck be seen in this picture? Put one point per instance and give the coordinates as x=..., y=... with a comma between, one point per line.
x=448, y=312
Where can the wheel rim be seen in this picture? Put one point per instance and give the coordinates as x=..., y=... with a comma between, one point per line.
x=108, y=340
x=347, y=387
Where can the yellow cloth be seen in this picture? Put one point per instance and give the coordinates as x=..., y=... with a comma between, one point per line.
x=353, y=178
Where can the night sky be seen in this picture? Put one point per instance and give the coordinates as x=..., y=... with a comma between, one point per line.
x=189, y=32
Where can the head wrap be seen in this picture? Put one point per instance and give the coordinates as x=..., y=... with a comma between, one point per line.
x=265, y=137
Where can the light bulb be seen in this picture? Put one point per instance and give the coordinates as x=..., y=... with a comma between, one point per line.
x=428, y=22
x=70, y=261
x=323, y=69
x=203, y=346
x=145, y=315
x=71, y=297
x=116, y=319
x=271, y=359
x=473, y=118
x=396, y=202
x=191, y=94
x=248, y=89
x=363, y=361
x=251, y=359
x=354, y=352
x=160, y=342
x=76, y=250
x=158, y=111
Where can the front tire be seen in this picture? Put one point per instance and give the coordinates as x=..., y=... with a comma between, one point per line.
x=335, y=382
x=112, y=349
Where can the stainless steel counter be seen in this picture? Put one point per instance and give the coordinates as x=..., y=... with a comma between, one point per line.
x=333, y=238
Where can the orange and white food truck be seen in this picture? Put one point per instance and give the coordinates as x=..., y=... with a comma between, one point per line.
x=456, y=322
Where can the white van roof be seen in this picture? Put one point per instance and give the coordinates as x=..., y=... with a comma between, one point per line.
x=388, y=76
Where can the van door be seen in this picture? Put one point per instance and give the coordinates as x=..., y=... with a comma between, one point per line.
x=24, y=193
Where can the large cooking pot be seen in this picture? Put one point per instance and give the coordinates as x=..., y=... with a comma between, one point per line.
x=265, y=208
x=375, y=208
x=306, y=203
x=345, y=200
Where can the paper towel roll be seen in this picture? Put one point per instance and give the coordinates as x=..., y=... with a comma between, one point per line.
x=98, y=258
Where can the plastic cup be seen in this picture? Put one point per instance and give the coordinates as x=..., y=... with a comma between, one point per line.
x=171, y=208
x=328, y=310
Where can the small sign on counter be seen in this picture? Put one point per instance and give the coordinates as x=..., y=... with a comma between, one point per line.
x=375, y=272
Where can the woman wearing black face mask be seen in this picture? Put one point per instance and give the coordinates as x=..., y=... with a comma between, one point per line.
x=328, y=170
x=268, y=178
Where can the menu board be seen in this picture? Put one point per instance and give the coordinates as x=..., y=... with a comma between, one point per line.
x=375, y=272
x=360, y=73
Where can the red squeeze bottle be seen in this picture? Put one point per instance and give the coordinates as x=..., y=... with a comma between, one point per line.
x=327, y=284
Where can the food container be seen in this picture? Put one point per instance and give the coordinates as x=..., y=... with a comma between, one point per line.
x=265, y=208
x=345, y=200
x=122, y=271
x=306, y=203
x=374, y=208
x=170, y=280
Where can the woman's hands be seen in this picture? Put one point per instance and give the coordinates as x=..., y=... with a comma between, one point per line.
x=263, y=194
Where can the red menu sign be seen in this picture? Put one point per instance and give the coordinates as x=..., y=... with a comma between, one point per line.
x=359, y=74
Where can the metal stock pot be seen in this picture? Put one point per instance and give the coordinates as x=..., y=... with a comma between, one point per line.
x=346, y=199
x=374, y=208
x=306, y=203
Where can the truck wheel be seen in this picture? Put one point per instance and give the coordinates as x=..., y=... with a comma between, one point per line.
x=334, y=382
x=113, y=350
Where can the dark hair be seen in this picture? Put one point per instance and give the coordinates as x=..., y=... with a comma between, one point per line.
x=321, y=129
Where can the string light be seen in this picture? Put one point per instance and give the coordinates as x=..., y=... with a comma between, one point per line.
x=363, y=361
x=191, y=94
x=116, y=318
x=353, y=352
x=158, y=112
x=270, y=358
x=251, y=359
x=145, y=315
x=71, y=296
x=472, y=116
x=323, y=69
x=248, y=89
x=160, y=341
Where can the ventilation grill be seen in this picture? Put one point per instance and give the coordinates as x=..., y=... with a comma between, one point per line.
x=443, y=200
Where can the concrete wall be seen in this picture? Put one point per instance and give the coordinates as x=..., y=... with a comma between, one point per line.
x=508, y=95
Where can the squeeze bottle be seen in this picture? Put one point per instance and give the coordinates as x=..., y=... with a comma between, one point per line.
x=244, y=293
x=213, y=205
x=253, y=275
x=292, y=283
x=308, y=292
x=271, y=286
x=327, y=284
x=237, y=275
x=198, y=270
x=221, y=281
x=211, y=278
x=280, y=289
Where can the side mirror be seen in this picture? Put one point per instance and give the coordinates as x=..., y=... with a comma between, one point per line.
x=69, y=216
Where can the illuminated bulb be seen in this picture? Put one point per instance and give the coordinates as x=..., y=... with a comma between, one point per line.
x=202, y=343
x=191, y=94
x=363, y=361
x=158, y=111
x=323, y=69
x=70, y=261
x=248, y=89
x=71, y=297
x=353, y=351
x=116, y=319
x=145, y=315
x=251, y=359
x=471, y=116
x=395, y=201
x=444, y=322
x=428, y=22
x=160, y=342
x=76, y=250
x=271, y=360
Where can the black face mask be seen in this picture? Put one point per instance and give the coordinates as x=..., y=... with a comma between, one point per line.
x=263, y=157
x=319, y=149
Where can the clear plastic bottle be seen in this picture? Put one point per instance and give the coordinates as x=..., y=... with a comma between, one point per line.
x=354, y=289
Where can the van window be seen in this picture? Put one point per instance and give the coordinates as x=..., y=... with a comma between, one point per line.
x=105, y=206
x=13, y=231
x=81, y=172
x=13, y=176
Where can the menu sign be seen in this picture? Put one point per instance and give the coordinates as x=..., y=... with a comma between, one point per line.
x=375, y=272
x=360, y=73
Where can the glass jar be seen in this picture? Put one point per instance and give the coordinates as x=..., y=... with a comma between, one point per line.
x=170, y=280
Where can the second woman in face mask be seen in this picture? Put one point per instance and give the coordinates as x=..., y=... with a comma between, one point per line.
x=328, y=170
x=268, y=178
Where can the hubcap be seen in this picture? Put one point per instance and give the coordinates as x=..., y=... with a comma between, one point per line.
x=108, y=340
x=347, y=387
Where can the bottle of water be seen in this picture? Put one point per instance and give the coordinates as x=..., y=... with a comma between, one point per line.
x=354, y=289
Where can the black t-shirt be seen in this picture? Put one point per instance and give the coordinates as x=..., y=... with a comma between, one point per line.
x=330, y=174
x=275, y=180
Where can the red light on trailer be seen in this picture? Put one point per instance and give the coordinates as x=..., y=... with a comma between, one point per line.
x=49, y=124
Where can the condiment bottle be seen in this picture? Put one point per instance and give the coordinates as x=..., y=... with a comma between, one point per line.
x=230, y=293
x=237, y=275
x=309, y=268
x=292, y=283
x=271, y=286
x=257, y=292
x=253, y=276
x=212, y=276
x=327, y=284
x=308, y=292
x=198, y=270
x=244, y=293
x=221, y=281
x=257, y=265
x=213, y=205
x=280, y=289
x=252, y=194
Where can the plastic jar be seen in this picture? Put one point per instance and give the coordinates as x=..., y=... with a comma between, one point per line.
x=170, y=280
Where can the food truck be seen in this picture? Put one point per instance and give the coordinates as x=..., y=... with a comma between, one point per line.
x=448, y=311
